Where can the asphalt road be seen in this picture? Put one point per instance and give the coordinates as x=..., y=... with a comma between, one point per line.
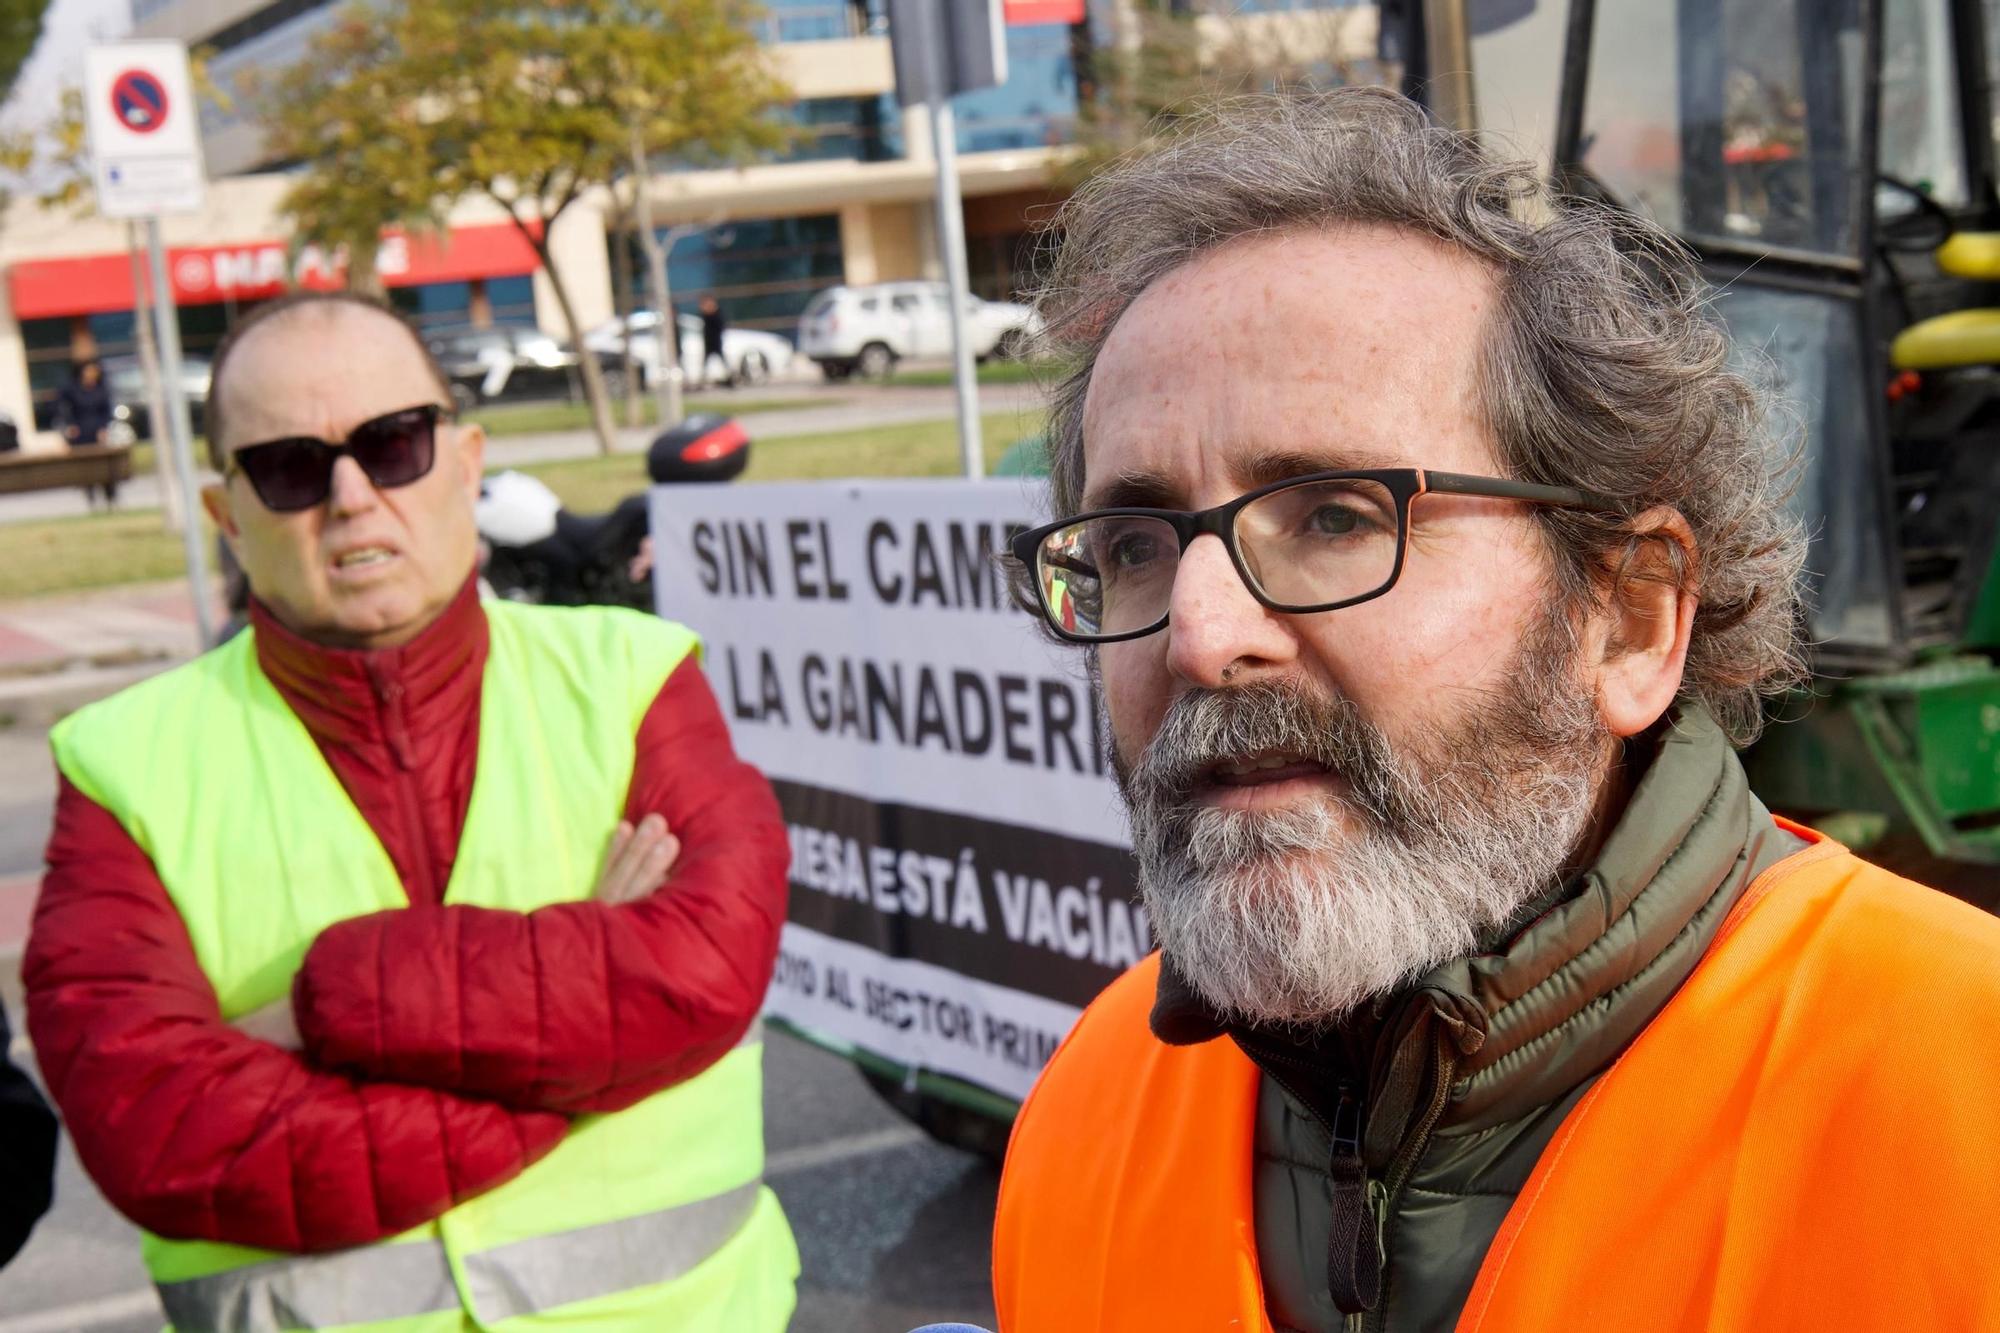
x=892, y=1228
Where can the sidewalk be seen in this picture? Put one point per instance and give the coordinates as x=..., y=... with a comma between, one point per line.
x=59, y=653
x=17, y=907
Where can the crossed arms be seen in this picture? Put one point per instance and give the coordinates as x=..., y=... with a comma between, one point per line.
x=443, y=1048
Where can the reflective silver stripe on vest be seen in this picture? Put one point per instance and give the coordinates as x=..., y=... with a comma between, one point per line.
x=315, y=1291
x=549, y=1271
x=382, y=1282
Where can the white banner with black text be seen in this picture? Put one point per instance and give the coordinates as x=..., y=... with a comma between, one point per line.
x=961, y=884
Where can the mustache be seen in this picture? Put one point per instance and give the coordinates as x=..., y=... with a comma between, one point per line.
x=1204, y=728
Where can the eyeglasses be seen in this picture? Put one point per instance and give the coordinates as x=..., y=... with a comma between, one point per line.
x=1317, y=542
x=296, y=472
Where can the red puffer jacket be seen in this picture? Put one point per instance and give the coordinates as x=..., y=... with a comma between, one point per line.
x=196, y=1130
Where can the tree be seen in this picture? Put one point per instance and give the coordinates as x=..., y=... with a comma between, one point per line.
x=20, y=29
x=400, y=113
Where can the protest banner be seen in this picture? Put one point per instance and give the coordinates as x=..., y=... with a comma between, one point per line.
x=961, y=884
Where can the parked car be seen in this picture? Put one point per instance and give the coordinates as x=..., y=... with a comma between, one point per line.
x=753, y=355
x=867, y=330
x=488, y=362
x=132, y=413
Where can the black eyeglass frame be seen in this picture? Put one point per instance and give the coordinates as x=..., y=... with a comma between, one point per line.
x=436, y=414
x=1405, y=484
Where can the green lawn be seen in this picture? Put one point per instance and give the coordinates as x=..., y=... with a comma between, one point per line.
x=549, y=417
x=44, y=556
x=992, y=372
x=915, y=449
x=543, y=418
x=94, y=551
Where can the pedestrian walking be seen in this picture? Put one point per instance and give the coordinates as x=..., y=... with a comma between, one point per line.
x=1489, y=996
x=398, y=962
x=83, y=416
x=714, y=324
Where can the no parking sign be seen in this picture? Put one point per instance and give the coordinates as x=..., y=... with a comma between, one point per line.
x=145, y=142
x=139, y=100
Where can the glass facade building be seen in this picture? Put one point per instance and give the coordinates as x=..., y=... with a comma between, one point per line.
x=761, y=270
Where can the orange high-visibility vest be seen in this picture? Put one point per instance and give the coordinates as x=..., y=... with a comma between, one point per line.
x=1806, y=1137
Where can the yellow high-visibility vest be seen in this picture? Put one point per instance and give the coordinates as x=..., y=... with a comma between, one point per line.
x=654, y=1217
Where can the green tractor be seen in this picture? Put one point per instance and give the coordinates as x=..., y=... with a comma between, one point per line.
x=1831, y=162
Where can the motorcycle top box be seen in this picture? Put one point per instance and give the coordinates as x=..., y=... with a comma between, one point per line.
x=705, y=447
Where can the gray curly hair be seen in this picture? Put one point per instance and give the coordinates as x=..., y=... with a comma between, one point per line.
x=1602, y=368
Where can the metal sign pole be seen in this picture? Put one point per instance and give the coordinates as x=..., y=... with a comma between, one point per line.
x=951, y=239
x=172, y=506
x=180, y=430
x=942, y=47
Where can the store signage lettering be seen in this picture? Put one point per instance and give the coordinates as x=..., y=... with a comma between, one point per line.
x=257, y=270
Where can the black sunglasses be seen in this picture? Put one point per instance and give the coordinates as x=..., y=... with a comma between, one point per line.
x=296, y=472
x=1317, y=542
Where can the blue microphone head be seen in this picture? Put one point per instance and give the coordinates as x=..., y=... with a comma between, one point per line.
x=949, y=1328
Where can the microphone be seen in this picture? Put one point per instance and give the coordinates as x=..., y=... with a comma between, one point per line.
x=949, y=1328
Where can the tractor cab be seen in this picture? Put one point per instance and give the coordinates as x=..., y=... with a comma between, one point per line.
x=1831, y=163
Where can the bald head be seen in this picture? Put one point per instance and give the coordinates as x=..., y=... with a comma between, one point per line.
x=249, y=375
x=371, y=562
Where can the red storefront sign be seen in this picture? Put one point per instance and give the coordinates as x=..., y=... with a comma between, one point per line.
x=201, y=274
x=1020, y=13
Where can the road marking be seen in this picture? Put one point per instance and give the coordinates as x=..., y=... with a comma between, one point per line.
x=87, y=1314
x=814, y=1155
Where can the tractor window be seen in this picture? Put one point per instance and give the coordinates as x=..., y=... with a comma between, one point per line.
x=1806, y=347
x=1517, y=57
x=1991, y=15
x=1921, y=141
x=1730, y=119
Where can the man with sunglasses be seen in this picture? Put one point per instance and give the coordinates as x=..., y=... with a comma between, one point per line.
x=398, y=963
x=1425, y=549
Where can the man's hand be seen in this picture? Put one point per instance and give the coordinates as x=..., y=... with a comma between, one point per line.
x=273, y=1023
x=641, y=564
x=639, y=861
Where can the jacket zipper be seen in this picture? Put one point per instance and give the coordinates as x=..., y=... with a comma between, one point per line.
x=1444, y=1060
x=1353, y=1273
x=390, y=700
x=1354, y=1237
x=1357, y=1249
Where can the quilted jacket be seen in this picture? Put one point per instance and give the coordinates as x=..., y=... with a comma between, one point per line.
x=195, y=1130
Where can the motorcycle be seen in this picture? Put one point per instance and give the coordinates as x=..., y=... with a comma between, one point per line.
x=537, y=550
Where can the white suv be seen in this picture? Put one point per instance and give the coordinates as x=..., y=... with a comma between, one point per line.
x=866, y=330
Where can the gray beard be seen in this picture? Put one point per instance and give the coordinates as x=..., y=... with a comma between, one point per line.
x=1295, y=917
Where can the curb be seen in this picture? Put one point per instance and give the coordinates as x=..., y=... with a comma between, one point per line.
x=39, y=667
x=37, y=702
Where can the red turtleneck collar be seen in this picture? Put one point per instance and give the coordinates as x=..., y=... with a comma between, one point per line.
x=398, y=726
x=347, y=696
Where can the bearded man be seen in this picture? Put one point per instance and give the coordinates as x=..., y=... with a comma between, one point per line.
x=1428, y=550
